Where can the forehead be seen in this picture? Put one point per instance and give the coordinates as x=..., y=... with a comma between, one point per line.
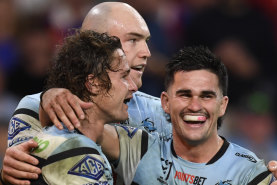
x=120, y=61
x=197, y=80
x=126, y=23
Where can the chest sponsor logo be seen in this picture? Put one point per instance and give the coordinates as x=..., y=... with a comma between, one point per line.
x=248, y=157
x=191, y=179
x=17, y=125
x=130, y=130
x=88, y=167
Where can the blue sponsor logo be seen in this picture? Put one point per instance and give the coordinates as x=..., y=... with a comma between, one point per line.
x=97, y=183
x=17, y=125
x=130, y=130
x=19, y=140
x=88, y=167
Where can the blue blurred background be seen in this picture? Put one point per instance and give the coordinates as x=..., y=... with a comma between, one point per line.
x=243, y=33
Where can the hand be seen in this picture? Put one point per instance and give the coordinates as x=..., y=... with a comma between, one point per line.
x=61, y=105
x=18, y=164
x=272, y=166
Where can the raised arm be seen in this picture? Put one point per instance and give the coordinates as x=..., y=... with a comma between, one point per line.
x=61, y=105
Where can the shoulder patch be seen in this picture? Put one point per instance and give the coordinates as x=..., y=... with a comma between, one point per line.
x=130, y=130
x=17, y=125
x=88, y=167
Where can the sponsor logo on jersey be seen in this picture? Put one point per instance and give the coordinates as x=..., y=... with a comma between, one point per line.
x=191, y=179
x=19, y=140
x=42, y=144
x=249, y=157
x=130, y=130
x=17, y=125
x=228, y=182
x=97, y=183
x=88, y=167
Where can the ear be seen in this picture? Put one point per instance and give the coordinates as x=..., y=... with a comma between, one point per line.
x=92, y=84
x=165, y=102
x=223, y=106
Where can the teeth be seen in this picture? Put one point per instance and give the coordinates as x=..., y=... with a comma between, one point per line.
x=194, y=118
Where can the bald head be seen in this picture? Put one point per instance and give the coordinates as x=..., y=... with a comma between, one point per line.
x=108, y=14
x=123, y=21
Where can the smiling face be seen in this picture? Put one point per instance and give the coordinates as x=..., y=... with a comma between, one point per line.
x=112, y=105
x=194, y=102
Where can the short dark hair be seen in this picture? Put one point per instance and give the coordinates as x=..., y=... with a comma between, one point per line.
x=85, y=52
x=197, y=58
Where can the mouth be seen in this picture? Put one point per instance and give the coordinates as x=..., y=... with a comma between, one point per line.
x=139, y=68
x=126, y=100
x=195, y=119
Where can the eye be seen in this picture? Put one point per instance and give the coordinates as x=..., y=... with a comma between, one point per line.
x=133, y=40
x=207, y=96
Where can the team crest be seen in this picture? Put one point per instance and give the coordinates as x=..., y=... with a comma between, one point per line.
x=88, y=167
x=149, y=125
x=17, y=125
x=130, y=130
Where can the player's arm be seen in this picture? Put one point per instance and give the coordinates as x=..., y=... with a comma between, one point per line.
x=18, y=164
x=60, y=105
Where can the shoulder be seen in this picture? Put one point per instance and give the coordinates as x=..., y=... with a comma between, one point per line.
x=30, y=102
x=71, y=158
x=253, y=168
x=53, y=141
x=140, y=96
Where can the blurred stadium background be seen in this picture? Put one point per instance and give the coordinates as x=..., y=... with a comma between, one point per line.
x=243, y=33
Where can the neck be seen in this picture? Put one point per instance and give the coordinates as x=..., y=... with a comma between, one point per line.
x=197, y=153
x=93, y=125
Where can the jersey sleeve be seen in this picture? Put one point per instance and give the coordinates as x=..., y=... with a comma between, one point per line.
x=24, y=123
x=134, y=144
x=71, y=161
x=260, y=175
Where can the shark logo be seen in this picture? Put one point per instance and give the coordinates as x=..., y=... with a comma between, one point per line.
x=88, y=167
x=149, y=125
x=17, y=125
x=130, y=130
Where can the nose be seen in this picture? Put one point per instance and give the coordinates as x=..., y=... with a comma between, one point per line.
x=131, y=85
x=145, y=52
x=194, y=104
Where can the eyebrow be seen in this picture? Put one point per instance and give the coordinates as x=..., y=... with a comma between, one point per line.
x=138, y=35
x=185, y=91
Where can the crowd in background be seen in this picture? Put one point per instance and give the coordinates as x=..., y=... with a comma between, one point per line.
x=243, y=33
